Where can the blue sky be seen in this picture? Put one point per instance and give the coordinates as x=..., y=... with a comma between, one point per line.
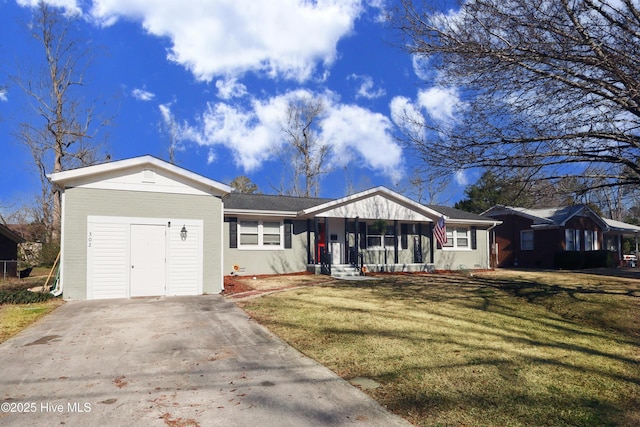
x=224, y=71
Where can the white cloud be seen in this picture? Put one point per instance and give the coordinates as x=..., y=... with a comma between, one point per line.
x=407, y=115
x=3, y=95
x=142, y=95
x=70, y=6
x=363, y=136
x=461, y=178
x=230, y=88
x=254, y=133
x=286, y=38
x=439, y=103
x=367, y=87
x=165, y=112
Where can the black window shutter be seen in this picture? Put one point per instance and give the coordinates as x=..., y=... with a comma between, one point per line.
x=288, y=225
x=404, y=238
x=233, y=232
x=474, y=237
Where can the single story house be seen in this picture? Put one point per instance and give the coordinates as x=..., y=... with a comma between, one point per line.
x=9, y=252
x=143, y=227
x=536, y=238
x=376, y=229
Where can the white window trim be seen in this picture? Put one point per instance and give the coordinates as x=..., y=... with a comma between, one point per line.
x=260, y=246
x=594, y=240
x=454, y=239
x=382, y=238
x=533, y=242
x=576, y=239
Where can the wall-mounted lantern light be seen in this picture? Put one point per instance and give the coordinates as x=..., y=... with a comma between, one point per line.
x=183, y=233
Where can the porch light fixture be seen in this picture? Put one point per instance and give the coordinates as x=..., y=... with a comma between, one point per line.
x=183, y=233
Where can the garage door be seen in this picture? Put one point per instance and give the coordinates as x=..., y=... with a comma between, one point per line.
x=129, y=257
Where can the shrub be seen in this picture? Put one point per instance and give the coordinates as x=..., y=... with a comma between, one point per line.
x=22, y=296
x=570, y=260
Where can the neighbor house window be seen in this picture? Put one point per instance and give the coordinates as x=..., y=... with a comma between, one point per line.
x=590, y=240
x=457, y=238
x=572, y=239
x=526, y=240
x=258, y=234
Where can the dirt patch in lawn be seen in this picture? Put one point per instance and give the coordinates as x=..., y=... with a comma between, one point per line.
x=241, y=284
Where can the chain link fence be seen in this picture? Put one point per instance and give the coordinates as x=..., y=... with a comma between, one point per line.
x=8, y=269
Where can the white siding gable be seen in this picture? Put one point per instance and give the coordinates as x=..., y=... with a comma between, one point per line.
x=146, y=180
x=376, y=206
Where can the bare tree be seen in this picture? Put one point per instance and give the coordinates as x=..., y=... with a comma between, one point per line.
x=242, y=184
x=550, y=85
x=307, y=152
x=60, y=132
x=171, y=128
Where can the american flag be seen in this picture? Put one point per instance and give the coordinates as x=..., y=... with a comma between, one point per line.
x=440, y=231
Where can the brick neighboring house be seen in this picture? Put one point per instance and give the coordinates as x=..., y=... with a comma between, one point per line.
x=533, y=238
x=9, y=252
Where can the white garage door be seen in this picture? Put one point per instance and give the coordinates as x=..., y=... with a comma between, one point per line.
x=129, y=257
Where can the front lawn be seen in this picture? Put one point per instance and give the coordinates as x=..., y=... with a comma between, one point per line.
x=19, y=307
x=495, y=349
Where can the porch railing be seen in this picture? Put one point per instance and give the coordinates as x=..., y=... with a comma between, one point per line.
x=356, y=259
x=325, y=262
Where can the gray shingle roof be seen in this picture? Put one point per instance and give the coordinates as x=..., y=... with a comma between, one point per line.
x=267, y=202
x=454, y=213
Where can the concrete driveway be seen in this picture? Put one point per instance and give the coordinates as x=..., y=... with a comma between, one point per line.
x=180, y=361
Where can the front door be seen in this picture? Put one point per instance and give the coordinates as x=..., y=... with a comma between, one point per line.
x=148, y=252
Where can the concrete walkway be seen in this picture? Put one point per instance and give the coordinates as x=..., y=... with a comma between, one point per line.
x=181, y=361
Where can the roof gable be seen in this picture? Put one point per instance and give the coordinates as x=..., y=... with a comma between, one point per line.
x=378, y=202
x=6, y=232
x=548, y=217
x=145, y=173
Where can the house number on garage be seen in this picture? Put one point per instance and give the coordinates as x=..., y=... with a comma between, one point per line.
x=89, y=239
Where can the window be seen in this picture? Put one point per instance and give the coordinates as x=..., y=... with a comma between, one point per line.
x=526, y=240
x=377, y=240
x=590, y=240
x=457, y=238
x=260, y=234
x=572, y=239
x=271, y=233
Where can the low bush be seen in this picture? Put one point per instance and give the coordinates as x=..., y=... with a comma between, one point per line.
x=570, y=260
x=22, y=296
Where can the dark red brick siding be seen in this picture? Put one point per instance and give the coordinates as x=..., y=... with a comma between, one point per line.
x=547, y=242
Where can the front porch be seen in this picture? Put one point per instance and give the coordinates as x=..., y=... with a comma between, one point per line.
x=354, y=246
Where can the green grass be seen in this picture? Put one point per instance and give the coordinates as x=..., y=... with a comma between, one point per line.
x=484, y=350
x=14, y=315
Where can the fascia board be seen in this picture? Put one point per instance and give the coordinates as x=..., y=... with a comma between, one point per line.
x=254, y=213
x=472, y=222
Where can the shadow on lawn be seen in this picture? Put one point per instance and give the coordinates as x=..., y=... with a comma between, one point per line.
x=514, y=348
x=604, y=306
x=557, y=336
